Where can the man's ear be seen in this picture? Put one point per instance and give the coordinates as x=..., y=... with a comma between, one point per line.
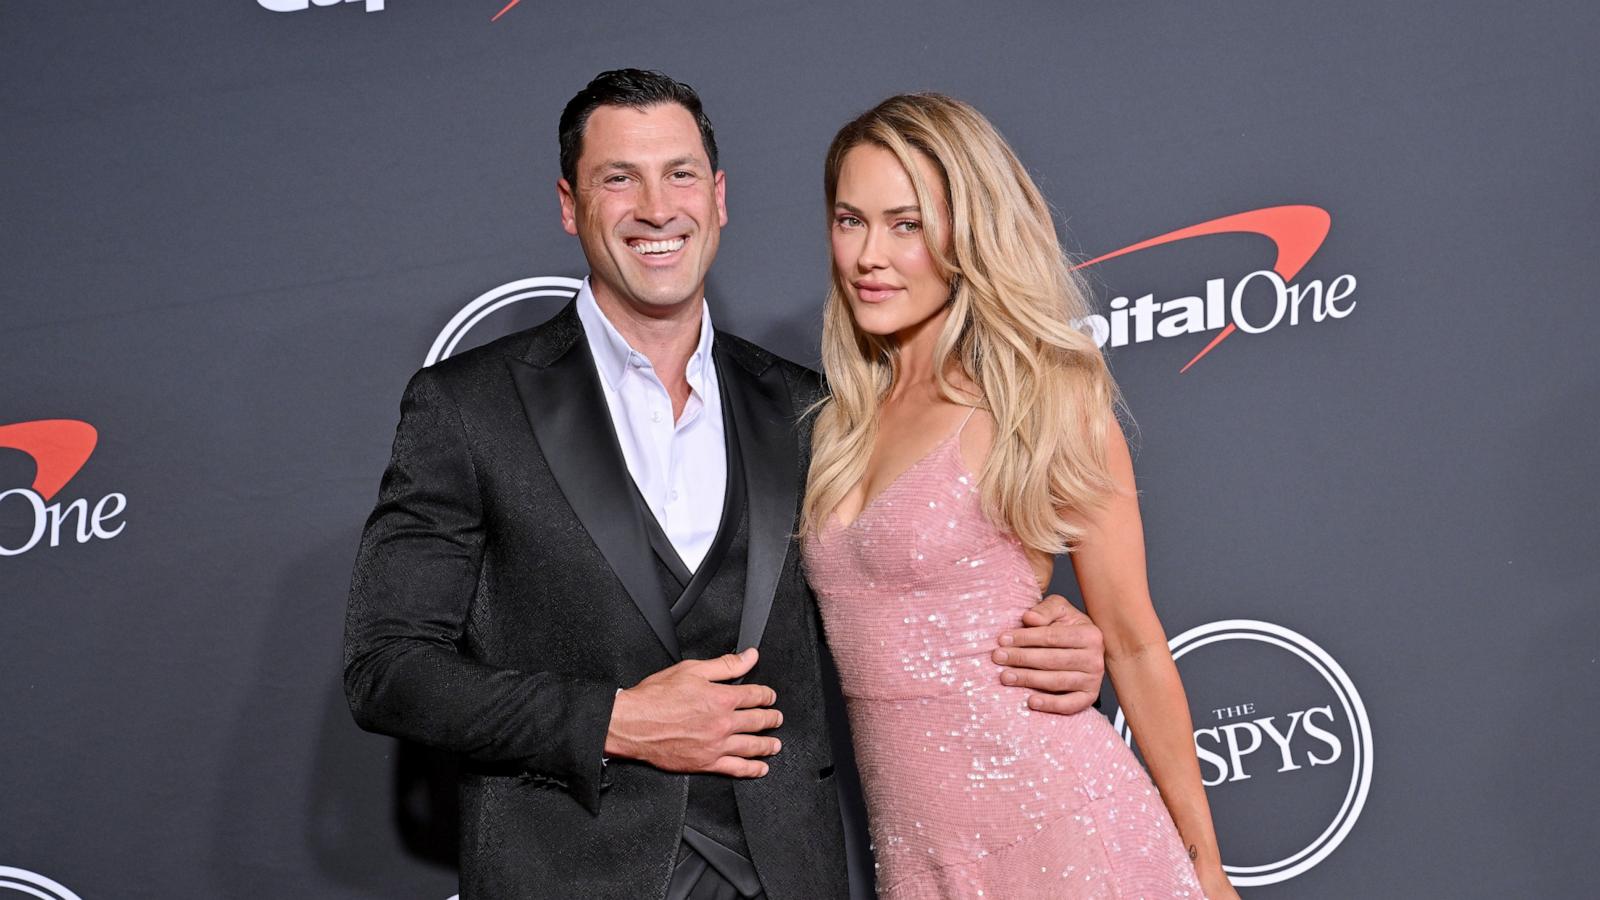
x=569, y=206
x=722, y=198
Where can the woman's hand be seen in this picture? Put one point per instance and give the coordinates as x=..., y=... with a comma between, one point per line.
x=1215, y=883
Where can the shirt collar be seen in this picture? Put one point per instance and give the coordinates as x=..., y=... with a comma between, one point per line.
x=612, y=353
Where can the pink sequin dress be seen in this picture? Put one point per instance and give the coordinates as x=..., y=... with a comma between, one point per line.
x=969, y=793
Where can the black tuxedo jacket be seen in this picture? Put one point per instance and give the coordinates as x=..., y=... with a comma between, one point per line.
x=505, y=590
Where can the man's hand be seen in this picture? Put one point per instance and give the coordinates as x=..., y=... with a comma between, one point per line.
x=681, y=720
x=1060, y=654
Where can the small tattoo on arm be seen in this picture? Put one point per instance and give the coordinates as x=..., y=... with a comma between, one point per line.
x=1193, y=853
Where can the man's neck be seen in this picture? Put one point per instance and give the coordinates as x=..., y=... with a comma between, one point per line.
x=667, y=337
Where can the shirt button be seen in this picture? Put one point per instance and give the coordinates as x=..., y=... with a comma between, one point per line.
x=655, y=416
x=674, y=495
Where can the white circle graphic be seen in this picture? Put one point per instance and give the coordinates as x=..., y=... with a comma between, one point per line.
x=490, y=301
x=33, y=884
x=1361, y=772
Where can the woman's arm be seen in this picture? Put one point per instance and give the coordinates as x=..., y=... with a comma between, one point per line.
x=1110, y=568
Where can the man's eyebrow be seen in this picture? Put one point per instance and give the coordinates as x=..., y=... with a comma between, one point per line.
x=684, y=162
x=617, y=165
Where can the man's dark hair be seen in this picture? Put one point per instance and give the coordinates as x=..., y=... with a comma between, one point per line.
x=635, y=89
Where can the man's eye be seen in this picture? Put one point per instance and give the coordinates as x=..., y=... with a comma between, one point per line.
x=682, y=175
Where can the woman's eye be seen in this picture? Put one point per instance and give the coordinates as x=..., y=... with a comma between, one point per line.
x=848, y=221
x=909, y=226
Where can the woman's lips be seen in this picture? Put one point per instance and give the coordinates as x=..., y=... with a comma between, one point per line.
x=874, y=292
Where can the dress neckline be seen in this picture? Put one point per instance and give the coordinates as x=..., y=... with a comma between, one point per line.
x=833, y=518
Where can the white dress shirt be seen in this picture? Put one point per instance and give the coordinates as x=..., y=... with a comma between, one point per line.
x=680, y=467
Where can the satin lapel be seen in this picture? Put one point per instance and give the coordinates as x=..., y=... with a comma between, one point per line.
x=762, y=411
x=569, y=417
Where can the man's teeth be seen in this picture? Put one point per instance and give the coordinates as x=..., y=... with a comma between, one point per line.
x=649, y=247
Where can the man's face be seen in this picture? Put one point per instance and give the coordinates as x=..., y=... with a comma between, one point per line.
x=646, y=207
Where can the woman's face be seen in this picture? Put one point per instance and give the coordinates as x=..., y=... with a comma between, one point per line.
x=889, y=276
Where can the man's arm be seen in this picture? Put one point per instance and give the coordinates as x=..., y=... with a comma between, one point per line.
x=1059, y=654
x=416, y=574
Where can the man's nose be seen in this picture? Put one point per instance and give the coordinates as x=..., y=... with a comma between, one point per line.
x=655, y=207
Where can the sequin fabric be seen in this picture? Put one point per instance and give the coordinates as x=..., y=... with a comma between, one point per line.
x=969, y=793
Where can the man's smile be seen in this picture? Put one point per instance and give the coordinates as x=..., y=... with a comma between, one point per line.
x=651, y=248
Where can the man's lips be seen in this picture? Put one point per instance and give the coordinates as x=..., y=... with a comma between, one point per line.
x=658, y=250
x=874, y=291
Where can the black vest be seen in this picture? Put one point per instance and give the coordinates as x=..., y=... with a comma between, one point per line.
x=706, y=609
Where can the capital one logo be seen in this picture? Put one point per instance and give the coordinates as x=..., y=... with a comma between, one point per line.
x=59, y=448
x=298, y=5
x=1284, y=745
x=32, y=884
x=1254, y=303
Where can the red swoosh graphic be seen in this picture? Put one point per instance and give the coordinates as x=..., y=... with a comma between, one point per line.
x=59, y=448
x=1297, y=231
x=503, y=11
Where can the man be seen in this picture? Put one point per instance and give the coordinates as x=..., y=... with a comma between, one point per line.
x=580, y=524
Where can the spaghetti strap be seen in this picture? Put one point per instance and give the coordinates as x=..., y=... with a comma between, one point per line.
x=963, y=426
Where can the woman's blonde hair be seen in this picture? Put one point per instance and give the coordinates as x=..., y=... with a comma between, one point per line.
x=1011, y=330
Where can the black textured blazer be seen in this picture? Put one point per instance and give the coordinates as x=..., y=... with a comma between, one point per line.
x=505, y=589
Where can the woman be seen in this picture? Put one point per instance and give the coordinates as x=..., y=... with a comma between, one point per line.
x=969, y=437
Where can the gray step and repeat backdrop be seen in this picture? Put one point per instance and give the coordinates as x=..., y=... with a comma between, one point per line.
x=1344, y=256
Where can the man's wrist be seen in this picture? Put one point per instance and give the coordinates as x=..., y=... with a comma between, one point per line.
x=614, y=745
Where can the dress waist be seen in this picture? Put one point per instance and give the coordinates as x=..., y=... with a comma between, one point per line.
x=928, y=639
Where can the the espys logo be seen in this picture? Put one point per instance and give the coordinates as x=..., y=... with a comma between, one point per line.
x=59, y=448
x=492, y=301
x=33, y=884
x=1256, y=302
x=298, y=5
x=1282, y=737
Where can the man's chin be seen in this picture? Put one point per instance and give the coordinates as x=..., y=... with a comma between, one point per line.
x=664, y=302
